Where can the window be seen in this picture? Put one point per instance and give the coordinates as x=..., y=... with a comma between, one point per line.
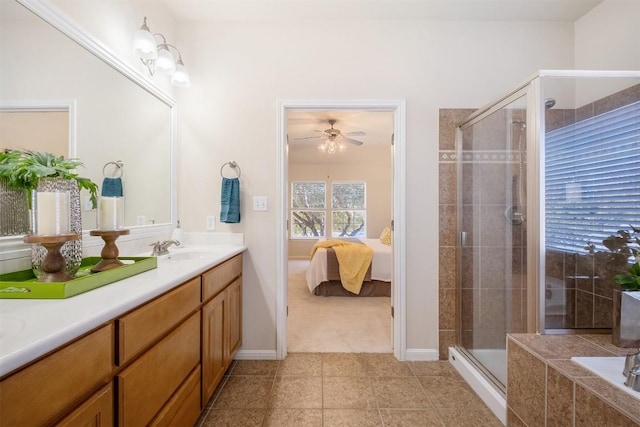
x=593, y=179
x=309, y=211
x=348, y=214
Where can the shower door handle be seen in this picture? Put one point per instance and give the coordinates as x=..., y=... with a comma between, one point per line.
x=463, y=238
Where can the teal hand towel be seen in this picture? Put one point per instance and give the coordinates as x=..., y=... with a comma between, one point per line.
x=111, y=187
x=230, y=200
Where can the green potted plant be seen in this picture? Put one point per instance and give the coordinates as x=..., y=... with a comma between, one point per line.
x=612, y=268
x=626, y=300
x=28, y=170
x=630, y=281
x=23, y=170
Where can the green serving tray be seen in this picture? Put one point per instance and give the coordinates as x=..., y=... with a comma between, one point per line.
x=23, y=284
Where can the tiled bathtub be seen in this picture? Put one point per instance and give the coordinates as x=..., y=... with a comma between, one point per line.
x=545, y=387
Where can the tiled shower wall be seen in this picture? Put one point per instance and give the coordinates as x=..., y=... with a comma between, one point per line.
x=447, y=307
x=579, y=286
x=588, y=297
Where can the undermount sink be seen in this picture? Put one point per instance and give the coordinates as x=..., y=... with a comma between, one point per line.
x=187, y=254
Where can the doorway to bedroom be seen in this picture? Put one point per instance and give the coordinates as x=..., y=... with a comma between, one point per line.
x=339, y=182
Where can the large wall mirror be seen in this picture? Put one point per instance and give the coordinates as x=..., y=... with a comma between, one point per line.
x=116, y=114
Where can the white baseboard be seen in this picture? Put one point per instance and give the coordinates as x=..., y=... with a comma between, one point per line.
x=411, y=355
x=422, y=354
x=255, y=355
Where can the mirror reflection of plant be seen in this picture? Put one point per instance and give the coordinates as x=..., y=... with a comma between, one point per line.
x=631, y=280
x=22, y=170
x=625, y=242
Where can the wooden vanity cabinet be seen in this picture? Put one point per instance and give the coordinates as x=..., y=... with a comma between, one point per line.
x=159, y=343
x=64, y=380
x=97, y=411
x=221, y=322
x=155, y=365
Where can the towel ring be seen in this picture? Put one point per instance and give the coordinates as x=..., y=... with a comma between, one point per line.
x=119, y=164
x=233, y=165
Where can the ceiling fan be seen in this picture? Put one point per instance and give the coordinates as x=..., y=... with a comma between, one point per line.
x=335, y=138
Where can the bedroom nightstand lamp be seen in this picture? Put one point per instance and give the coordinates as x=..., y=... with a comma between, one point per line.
x=158, y=56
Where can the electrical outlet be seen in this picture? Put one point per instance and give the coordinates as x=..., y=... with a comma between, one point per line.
x=211, y=222
x=260, y=203
x=141, y=220
x=88, y=206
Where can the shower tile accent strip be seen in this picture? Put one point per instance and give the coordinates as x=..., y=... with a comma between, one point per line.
x=545, y=387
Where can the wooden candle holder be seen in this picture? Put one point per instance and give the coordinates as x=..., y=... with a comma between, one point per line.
x=53, y=264
x=110, y=251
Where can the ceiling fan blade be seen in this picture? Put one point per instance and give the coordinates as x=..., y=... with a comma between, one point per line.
x=355, y=133
x=308, y=137
x=353, y=141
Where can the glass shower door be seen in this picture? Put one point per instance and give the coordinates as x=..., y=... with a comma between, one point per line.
x=492, y=224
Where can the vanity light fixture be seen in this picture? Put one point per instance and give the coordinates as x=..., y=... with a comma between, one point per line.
x=158, y=57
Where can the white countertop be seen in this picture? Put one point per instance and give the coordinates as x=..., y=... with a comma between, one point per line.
x=32, y=328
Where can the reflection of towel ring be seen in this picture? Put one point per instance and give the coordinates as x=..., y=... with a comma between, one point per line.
x=117, y=172
x=233, y=166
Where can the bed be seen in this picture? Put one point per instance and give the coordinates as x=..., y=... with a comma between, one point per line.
x=323, y=276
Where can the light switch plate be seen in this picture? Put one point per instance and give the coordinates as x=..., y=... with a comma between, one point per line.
x=260, y=203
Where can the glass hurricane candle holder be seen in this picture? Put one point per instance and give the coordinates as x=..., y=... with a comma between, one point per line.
x=51, y=212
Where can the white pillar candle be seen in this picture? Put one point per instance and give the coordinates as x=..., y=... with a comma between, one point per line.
x=111, y=214
x=52, y=212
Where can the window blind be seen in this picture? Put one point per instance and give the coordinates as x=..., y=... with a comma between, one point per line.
x=592, y=176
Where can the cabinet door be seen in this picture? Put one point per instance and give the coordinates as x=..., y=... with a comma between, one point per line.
x=233, y=320
x=51, y=387
x=97, y=411
x=213, y=351
x=148, y=383
x=184, y=407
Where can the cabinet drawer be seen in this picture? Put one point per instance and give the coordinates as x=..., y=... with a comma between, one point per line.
x=216, y=279
x=97, y=411
x=184, y=407
x=146, y=385
x=51, y=387
x=143, y=326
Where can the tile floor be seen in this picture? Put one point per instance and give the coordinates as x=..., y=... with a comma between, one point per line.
x=344, y=389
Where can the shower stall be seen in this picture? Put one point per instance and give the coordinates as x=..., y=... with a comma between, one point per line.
x=546, y=174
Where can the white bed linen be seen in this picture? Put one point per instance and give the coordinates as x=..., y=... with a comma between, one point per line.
x=380, y=264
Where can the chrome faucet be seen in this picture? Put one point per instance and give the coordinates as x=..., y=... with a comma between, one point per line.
x=162, y=248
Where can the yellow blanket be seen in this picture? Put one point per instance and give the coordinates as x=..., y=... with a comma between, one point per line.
x=353, y=261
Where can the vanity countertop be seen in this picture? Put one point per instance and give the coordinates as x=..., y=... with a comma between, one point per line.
x=30, y=328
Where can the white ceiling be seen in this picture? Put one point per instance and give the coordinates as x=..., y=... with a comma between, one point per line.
x=474, y=10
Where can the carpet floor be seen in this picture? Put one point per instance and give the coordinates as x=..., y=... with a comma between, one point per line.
x=319, y=324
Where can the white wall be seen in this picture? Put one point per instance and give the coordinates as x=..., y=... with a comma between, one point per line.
x=608, y=37
x=240, y=70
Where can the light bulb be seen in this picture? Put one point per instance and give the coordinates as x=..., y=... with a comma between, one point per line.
x=180, y=78
x=165, y=61
x=144, y=44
